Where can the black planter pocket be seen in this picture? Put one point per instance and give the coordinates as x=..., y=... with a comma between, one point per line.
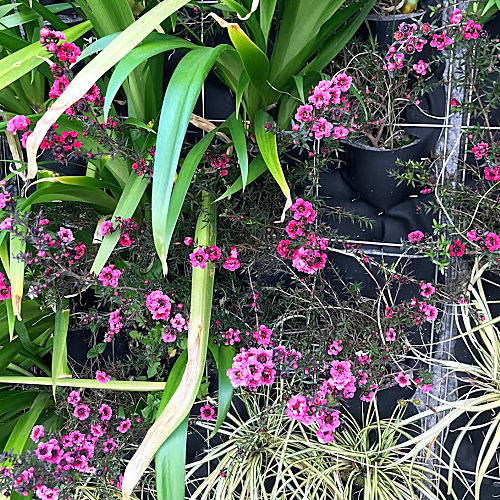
x=366, y=172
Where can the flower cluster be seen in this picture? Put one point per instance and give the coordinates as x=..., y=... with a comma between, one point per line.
x=410, y=38
x=201, y=256
x=88, y=446
x=220, y=162
x=304, y=247
x=327, y=114
x=4, y=288
x=125, y=226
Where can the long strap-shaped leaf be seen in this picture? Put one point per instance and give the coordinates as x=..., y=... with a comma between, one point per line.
x=60, y=353
x=269, y=150
x=17, y=246
x=134, y=58
x=178, y=104
x=127, y=205
x=116, y=50
x=199, y=322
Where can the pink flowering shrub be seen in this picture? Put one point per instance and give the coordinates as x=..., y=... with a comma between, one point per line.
x=89, y=448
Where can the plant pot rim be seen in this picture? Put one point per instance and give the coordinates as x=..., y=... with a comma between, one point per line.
x=379, y=150
x=389, y=17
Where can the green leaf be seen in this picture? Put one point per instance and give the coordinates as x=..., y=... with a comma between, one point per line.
x=170, y=459
x=60, y=352
x=97, y=350
x=269, y=150
x=180, y=98
x=24, y=425
x=8, y=352
x=266, y=14
x=125, y=209
x=256, y=168
x=179, y=405
x=45, y=12
x=254, y=60
x=357, y=95
x=97, y=46
x=136, y=57
x=223, y=356
x=107, y=17
x=17, y=246
x=170, y=464
x=183, y=182
x=238, y=136
x=17, y=64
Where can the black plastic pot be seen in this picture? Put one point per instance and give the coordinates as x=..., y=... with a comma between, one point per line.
x=382, y=27
x=366, y=172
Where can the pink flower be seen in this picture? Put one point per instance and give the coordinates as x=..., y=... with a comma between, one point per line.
x=402, y=379
x=430, y=313
x=252, y=368
x=106, y=227
x=295, y=228
x=335, y=348
x=6, y=224
x=158, y=304
x=342, y=82
x=178, y=322
x=105, y=412
x=297, y=408
x=168, y=336
x=102, y=377
x=43, y=492
x=455, y=17
x=284, y=250
x=214, y=253
x=426, y=289
x=232, y=263
x=420, y=67
x=19, y=122
x=81, y=412
x=232, y=336
x=124, y=426
x=390, y=335
x=321, y=128
x=109, y=276
x=471, y=30
x=263, y=335
x=340, y=132
x=303, y=210
x=492, y=173
x=480, y=150
x=207, y=412
x=74, y=398
x=97, y=430
x=199, y=258
x=456, y=249
x=304, y=114
x=65, y=235
x=68, y=52
x=109, y=445
x=426, y=387
x=492, y=242
x=308, y=260
x=125, y=240
x=37, y=433
x=416, y=236
x=472, y=235
x=188, y=241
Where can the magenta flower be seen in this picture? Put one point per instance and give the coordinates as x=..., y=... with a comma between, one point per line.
x=19, y=122
x=109, y=276
x=188, y=241
x=158, y=304
x=81, y=412
x=402, y=379
x=37, y=433
x=207, y=412
x=297, y=408
x=304, y=113
x=97, y=430
x=420, y=67
x=109, y=446
x=456, y=16
x=416, y=236
x=427, y=289
x=105, y=412
x=480, y=150
x=124, y=426
x=390, y=335
x=263, y=335
x=321, y=128
x=456, y=249
x=65, y=235
x=335, y=348
x=6, y=224
x=102, y=377
x=199, y=258
x=492, y=242
x=303, y=210
x=214, y=253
